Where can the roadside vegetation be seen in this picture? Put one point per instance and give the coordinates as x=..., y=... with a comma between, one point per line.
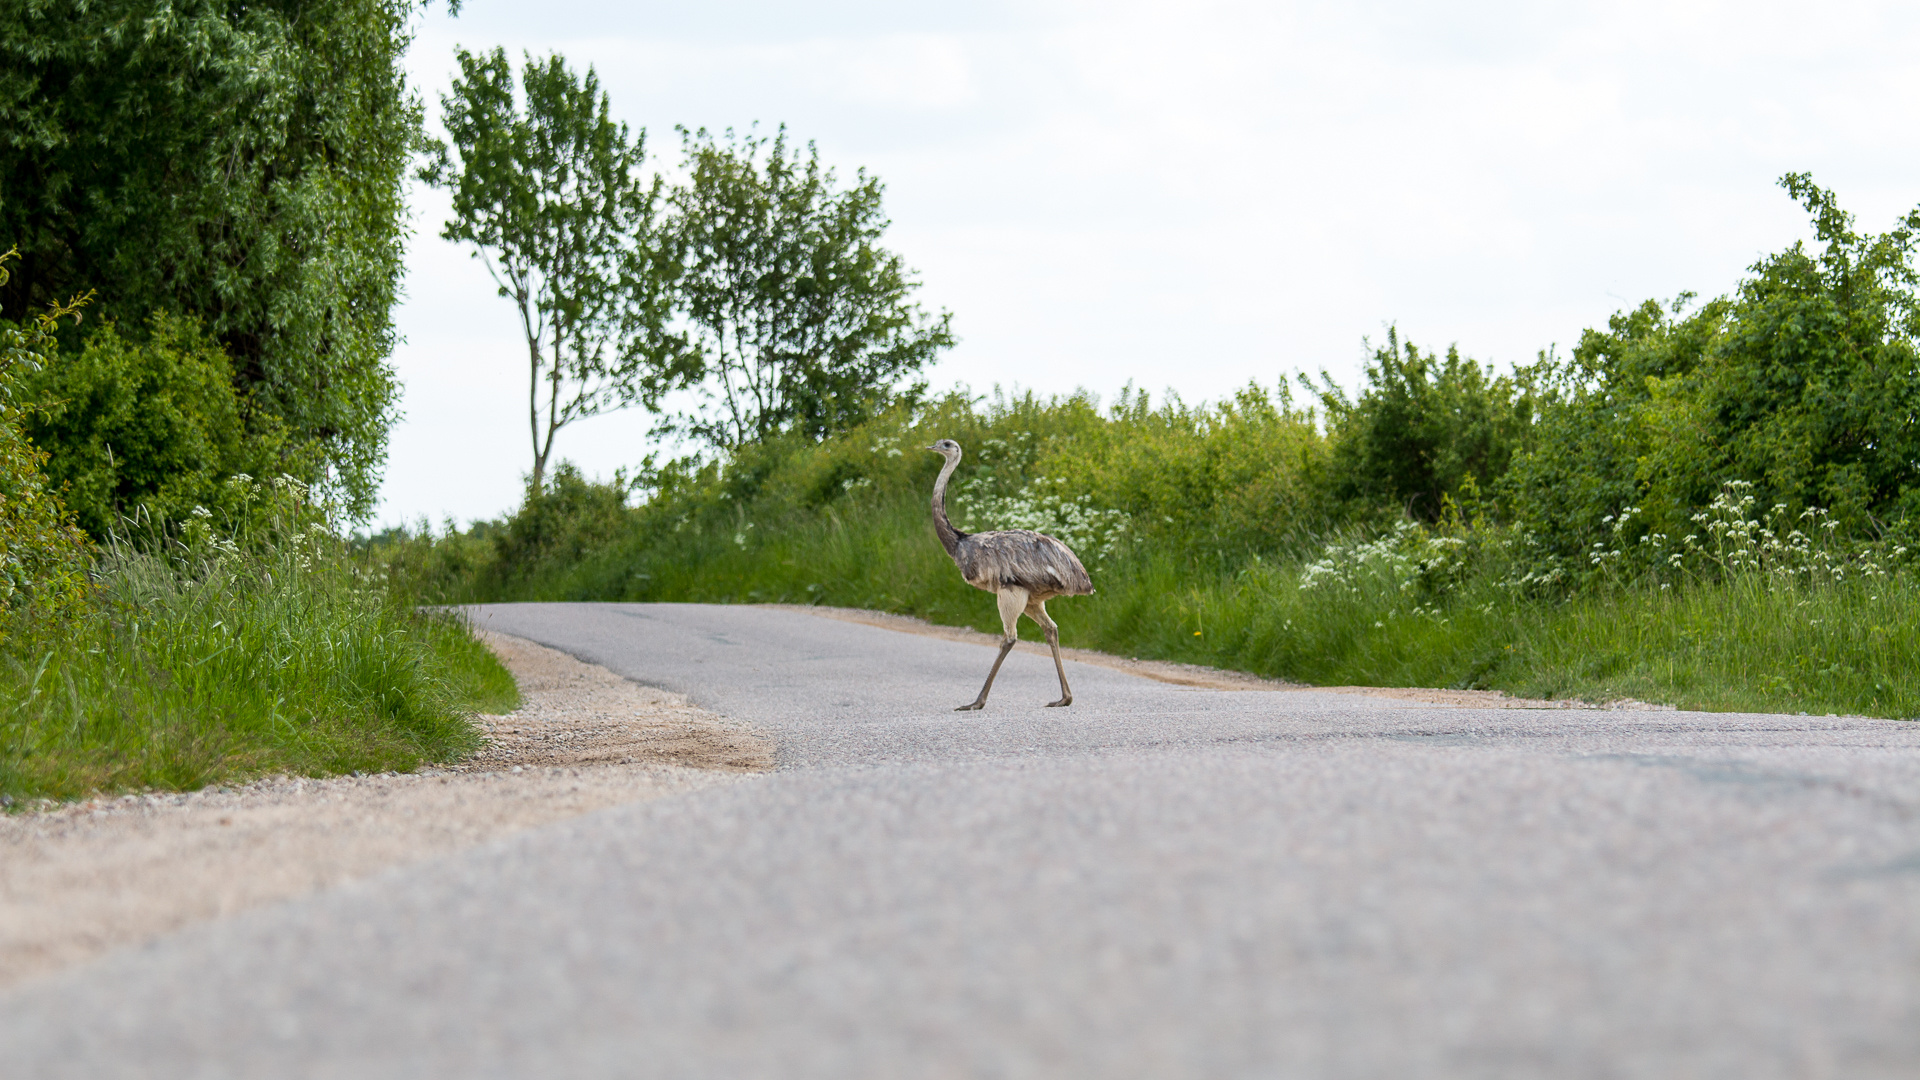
x=222, y=657
x=1707, y=504
x=178, y=652
x=217, y=191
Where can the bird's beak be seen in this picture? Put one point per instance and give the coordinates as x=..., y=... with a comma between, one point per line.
x=929, y=448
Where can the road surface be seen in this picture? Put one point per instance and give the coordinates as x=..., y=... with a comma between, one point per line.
x=1157, y=882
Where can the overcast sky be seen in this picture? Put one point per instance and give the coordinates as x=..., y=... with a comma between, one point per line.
x=1192, y=196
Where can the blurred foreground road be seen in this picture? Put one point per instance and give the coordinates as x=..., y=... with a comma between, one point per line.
x=1157, y=882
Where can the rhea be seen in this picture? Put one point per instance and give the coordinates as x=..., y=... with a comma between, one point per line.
x=1022, y=569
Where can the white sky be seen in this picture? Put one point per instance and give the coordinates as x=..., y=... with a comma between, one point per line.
x=1191, y=196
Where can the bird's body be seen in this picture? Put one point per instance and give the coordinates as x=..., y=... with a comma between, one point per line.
x=1043, y=566
x=1023, y=569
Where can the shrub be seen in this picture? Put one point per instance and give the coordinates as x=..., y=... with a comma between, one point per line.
x=43, y=556
x=1247, y=475
x=561, y=522
x=1802, y=384
x=1422, y=429
x=147, y=430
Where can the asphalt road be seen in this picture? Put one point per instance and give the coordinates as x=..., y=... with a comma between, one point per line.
x=1157, y=882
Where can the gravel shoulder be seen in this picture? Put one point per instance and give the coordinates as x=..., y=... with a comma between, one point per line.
x=81, y=879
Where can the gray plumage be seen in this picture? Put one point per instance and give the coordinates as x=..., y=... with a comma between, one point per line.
x=1043, y=566
x=1023, y=569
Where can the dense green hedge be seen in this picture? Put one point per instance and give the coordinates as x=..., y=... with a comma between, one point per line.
x=43, y=555
x=147, y=429
x=1804, y=382
x=238, y=163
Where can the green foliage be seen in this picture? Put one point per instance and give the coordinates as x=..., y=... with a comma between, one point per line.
x=231, y=656
x=1423, y=430
x=563, y=522
x=238, y=163
x=146, y=430
x=1805, y=383
x=449, y=567
x=553, y=201
x=43, y=556
x=1818, y=389
x=802, y=322
x=1215, y=483
x=1617, y=429
x=1764, y=612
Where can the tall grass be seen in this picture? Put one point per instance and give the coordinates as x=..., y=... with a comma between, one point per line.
x=1749, y=640
x=211, y=661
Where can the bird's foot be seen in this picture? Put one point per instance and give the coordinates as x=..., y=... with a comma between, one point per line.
x=1062, y=703
x=974, y=707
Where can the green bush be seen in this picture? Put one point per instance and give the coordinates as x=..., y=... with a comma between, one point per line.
x=1247, y=475
x=147, y=430
x=1423, y=429
x=43, y=556
x=1803, y=384
x=561, y=521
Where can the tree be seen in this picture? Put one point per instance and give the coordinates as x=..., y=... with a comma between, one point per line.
x=555, y=205
x=242, y=163
x=801, y=320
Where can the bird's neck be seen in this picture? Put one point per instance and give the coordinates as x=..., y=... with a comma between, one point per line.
x=949, y=536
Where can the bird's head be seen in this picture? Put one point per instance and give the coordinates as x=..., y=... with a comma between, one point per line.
x=946, y=448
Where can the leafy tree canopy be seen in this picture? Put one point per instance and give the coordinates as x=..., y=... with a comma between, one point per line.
x=802, y=321
x=236, y=161
x=553, y=200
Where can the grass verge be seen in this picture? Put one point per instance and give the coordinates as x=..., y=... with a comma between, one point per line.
x=228, y=666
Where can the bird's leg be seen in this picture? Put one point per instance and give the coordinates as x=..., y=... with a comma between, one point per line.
x=981, y=701
x=1039, y=613
x=1012, y=601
